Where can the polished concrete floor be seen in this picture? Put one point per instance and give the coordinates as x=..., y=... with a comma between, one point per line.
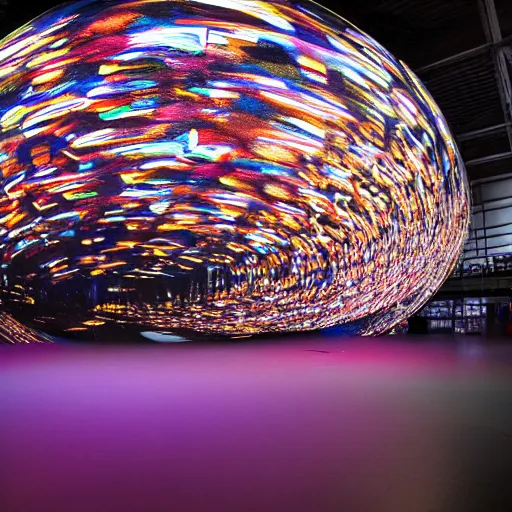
x=412, y=425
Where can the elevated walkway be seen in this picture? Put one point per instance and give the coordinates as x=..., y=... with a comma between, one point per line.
x=489, y=284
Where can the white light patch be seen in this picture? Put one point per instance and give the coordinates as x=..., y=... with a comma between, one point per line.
x=308, y=127
x=193, y=139
x=191, y=39
x=163, y=337
x=260, y=10
x=160, y=207
x=215, y=37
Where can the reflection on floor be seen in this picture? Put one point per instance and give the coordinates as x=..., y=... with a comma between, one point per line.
x=411, y=425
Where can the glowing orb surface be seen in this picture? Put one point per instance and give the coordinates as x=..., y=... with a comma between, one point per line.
x=221, y=167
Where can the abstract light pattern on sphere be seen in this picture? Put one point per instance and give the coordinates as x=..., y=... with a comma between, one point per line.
x=218, y=167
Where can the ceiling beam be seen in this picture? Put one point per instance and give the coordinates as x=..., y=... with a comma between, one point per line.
x=465, y=54
x=482, y=132
x=490, y=158
x=458, y=56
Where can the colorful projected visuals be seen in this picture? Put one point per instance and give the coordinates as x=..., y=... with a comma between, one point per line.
x=218, y=167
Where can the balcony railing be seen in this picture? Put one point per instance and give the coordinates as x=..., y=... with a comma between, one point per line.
x=488, y=266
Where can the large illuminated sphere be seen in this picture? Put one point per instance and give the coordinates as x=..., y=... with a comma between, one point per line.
x=218, y=167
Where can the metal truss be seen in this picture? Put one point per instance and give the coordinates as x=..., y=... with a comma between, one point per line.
x=501, y=54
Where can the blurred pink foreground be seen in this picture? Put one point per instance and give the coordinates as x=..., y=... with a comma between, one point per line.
x=306, y=425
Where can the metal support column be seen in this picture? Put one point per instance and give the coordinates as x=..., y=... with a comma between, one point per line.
x=493, y=35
